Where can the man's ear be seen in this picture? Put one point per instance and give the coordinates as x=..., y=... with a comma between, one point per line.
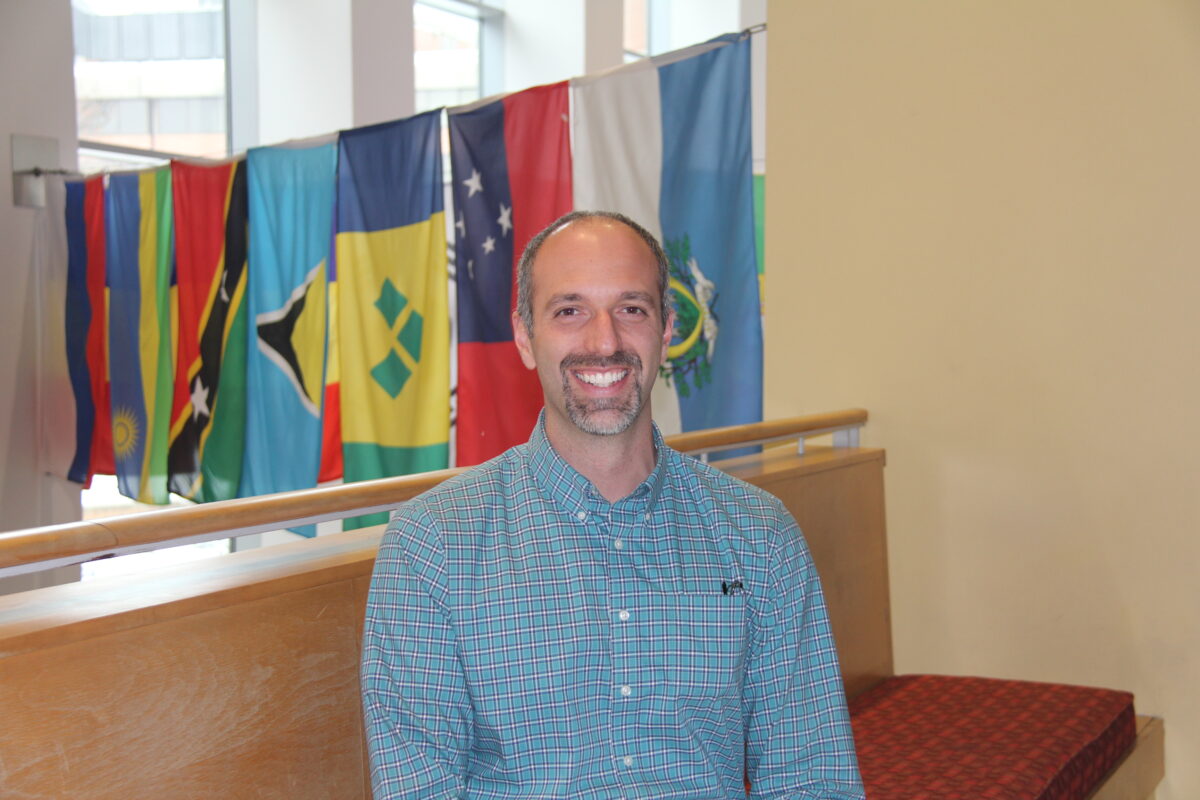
x=521, y=339
x=668, y=332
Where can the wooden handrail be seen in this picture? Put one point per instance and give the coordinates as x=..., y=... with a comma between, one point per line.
x=716, y=439
x=57, y=545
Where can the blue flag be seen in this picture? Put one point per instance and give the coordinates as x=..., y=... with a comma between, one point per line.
x=291, y=227
x=79, y=315
x=140, y=258
x=684, y=171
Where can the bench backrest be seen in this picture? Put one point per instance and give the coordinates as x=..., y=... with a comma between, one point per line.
x=237, y=676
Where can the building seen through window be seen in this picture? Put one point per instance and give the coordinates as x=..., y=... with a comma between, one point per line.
x=447, y=41
x=150, y=75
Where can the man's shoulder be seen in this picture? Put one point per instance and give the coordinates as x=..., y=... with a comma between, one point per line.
x=477, y=487
x=730, y=494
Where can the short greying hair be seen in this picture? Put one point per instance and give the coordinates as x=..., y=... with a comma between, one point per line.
x=525, y=267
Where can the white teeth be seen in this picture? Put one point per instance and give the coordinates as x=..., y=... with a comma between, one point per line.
x=601, y=379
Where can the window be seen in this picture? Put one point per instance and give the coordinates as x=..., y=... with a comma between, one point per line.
x=660, y=26
x=637, y=30
x=449, y=52
x=150, y=75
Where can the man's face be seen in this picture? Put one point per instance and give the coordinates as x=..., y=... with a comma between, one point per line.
x=597, y=337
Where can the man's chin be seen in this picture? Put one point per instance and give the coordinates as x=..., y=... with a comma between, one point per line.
x=602, y=422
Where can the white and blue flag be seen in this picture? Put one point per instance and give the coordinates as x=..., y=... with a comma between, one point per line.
x=666, y=141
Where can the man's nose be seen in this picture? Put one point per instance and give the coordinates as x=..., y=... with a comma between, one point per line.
x=602, y=335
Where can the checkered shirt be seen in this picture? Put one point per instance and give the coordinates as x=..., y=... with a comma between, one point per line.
x=525, y=638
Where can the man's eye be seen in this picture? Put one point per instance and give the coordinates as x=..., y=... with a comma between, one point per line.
x=566, y=312
x=635, y=310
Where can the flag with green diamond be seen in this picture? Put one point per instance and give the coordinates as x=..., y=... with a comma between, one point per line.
x=393, y=318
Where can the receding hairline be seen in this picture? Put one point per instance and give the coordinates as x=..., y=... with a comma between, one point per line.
x=533, y=250
x=596, y=222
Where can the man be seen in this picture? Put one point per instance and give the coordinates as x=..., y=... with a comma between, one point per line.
x=591, y=614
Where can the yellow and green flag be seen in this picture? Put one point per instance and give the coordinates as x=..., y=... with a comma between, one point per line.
x=393, y=318
x=140, y=278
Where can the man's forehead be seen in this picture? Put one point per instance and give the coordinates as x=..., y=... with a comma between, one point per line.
x=590, y=235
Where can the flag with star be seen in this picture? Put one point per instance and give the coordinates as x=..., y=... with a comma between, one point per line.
x=684, y=171
x=291, y=190
x=208, y=416
x=393, y=315
x=140, y=259
x=511, y=165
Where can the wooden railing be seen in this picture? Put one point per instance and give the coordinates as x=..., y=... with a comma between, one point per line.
x=60, y=545
x=237, y=675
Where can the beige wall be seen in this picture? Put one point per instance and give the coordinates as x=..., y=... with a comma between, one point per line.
x=985, y=218
x=37, y=98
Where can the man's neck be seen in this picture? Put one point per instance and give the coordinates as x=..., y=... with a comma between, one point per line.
x=615, y=464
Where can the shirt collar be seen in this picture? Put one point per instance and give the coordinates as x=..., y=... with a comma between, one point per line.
x=563, y=484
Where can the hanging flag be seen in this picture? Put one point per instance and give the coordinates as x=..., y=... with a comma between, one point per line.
x=80, y=316
x=141, y=328
x=511, y=166
x=393, y=316
x=86, y=327
x=666, y=141
x=209, y=410
x=291, y=223
x=332, y=467
x=55, y=409
x=103, y=460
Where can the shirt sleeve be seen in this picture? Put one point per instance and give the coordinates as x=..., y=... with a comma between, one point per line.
x=799, y=745
x=416, y=708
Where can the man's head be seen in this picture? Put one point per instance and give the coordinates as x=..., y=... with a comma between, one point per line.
x=525, y=266
x=594, y=318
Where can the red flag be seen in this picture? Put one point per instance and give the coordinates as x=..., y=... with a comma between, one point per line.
x=102, y=461
x=511, y=161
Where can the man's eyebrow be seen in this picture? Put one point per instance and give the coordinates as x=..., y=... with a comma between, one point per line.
x=575, y=297
x=566, y=297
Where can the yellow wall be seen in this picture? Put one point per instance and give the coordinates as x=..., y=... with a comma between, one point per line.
x=985, y=220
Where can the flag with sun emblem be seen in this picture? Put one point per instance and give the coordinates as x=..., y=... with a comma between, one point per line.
x=140, y=261
x=393, y=316
x=684, y=171
x=209, y=412
x=511, y=165
x=291, y=192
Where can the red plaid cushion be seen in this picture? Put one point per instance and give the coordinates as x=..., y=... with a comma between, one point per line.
x=947, y=737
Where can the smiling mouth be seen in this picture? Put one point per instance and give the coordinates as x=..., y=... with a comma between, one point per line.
x=601, y=379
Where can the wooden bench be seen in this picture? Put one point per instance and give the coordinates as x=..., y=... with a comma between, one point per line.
x=237, y=676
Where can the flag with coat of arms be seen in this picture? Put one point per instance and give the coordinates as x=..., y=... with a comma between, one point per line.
x=666, y=141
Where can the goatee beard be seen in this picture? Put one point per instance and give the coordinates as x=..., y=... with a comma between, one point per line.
x=605, y=416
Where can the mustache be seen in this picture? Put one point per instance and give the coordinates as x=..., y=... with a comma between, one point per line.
x=621, y=358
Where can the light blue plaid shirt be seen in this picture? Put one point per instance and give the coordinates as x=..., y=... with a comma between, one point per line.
x=525, y=638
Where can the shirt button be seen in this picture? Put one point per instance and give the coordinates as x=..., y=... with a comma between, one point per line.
x=618, y=544
x=581, y=515
x=626, y=691
x=627, y=761
x=623, y=615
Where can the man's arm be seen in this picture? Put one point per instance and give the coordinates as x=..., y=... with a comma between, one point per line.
x=798, y=740
x=416, y=707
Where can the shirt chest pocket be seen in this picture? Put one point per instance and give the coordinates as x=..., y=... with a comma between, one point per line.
x=699, y=642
